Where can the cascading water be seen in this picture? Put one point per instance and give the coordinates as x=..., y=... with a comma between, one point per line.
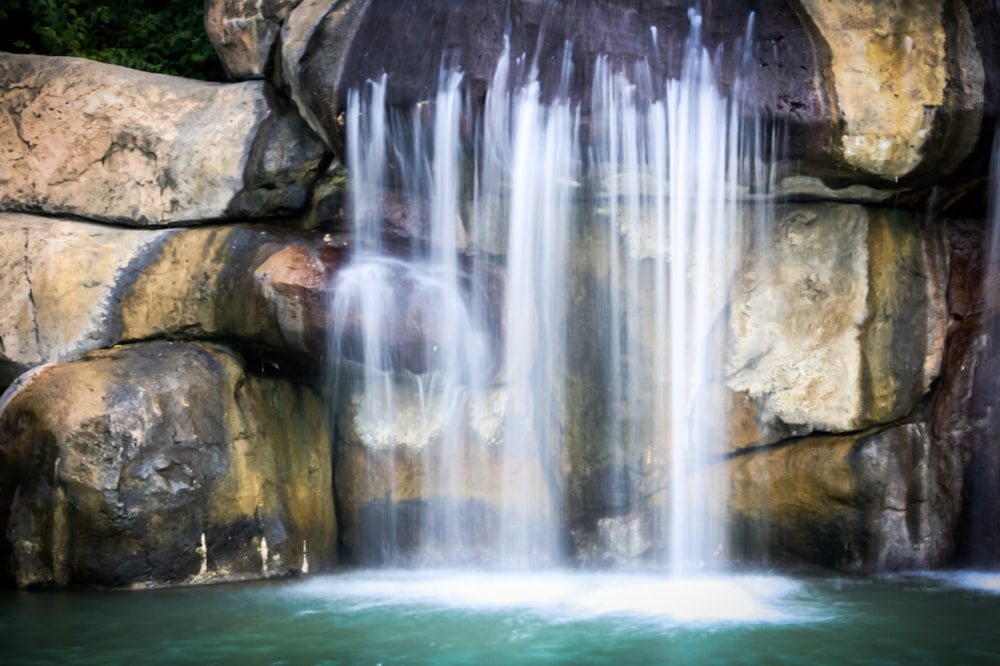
x=668, y=158
x=650, y=177
x=398, y=311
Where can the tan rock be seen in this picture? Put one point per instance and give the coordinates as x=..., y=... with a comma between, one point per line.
x=889, y=70
x=837, y=325
x=72, y=287
x=162, y=463
x=61, y=283
x=244, y=32
x=110, y=143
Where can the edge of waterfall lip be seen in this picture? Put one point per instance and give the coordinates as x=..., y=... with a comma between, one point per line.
x=564, y=596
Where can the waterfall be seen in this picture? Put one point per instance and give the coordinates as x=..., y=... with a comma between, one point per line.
x=525, y=185
x=399, y=312
x=672, y=161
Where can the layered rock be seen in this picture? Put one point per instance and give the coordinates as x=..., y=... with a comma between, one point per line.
x=116, y=145
x=76, y=287
x=162, y=463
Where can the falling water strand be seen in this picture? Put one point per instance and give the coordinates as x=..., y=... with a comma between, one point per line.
x=402, y=320
x=662, y=163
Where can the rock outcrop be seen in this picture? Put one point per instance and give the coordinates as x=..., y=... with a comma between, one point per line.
x=116, y=145
x=838, y=324
x=162, y=463
x=862, y=503
x=75, y=287
x=911, y=83
x=244, y=33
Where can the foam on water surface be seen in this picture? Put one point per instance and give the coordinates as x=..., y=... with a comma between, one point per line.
x=574, y=597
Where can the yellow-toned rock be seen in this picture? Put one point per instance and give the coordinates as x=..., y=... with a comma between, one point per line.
x=885, y=500
x=162, y=463
x=70, y=287
x=895, y=70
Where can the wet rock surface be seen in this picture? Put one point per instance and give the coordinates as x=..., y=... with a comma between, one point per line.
x=162, y=463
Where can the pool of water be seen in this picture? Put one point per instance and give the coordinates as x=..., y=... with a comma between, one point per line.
x=440, y=617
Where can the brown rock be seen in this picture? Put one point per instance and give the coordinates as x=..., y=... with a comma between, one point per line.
x=244, y=33
x=161, y=463
x=879, y=501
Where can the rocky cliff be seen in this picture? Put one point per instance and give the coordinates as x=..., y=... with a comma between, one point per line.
x=169, y=250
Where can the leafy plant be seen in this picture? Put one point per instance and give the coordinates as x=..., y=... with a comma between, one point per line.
x=165, y=36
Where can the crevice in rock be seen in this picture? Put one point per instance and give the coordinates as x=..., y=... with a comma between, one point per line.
x=31, y=293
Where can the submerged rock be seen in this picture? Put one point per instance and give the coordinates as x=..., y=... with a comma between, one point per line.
x=162, y=463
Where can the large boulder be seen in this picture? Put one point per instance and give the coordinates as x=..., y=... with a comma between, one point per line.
x=162, y=463
x=905, y=78
x=863, y=502
x=60, y=281
x=838, y=323
x=75, y=287
x=114, y=144
x=244, y=33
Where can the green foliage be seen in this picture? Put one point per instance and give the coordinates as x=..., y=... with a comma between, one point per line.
x=165, y=36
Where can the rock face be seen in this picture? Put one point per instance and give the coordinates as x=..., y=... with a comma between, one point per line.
x=116, y=145
x=838, y=324
x=906, y=78
x=420, y=484
x=910, y=82
x=163, y=346
x=858, y=503
x=76, y=287
x=966, y=413
x=162, y=463
x=244, y=33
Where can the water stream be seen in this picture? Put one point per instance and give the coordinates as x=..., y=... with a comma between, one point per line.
x=449, y=195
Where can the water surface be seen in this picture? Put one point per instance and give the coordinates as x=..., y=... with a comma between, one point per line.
x=405, y=617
